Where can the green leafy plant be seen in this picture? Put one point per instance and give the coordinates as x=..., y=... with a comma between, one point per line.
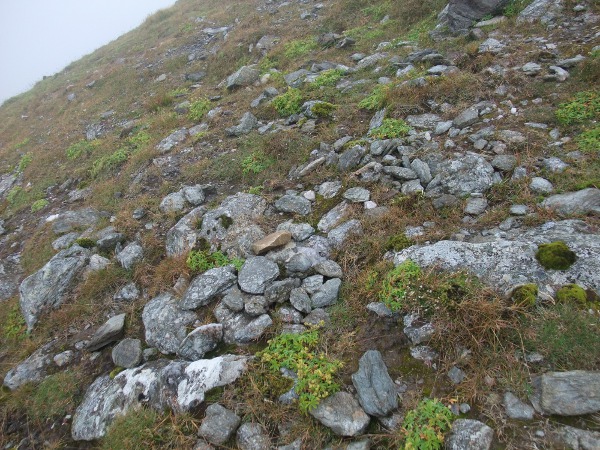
x=83, y=147
x=396, y=283
x=299, y=353
x=288, y=103
x=585, y=106
x=24, y=162
x=525, y=295
x=299, y=47
x=328, y=78
x=377, y=99
x=85, y=242
x=109, y=162
x=323, y=109
x=398, y=242
x=138, y=141
x=424, y=427
x=39, y=205
x=256, y=190
x=198, y=109
x=203, y=260
x=589, y=140
x=255, y=163
x=389, y=129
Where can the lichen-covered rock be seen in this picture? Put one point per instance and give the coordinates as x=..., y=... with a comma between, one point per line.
x=219, y=424
x=586, y=201
x=201, y=341
x=127, y=353
x=130, y=255
x=252, y=436
x=176, y=385
x=182, y=237
x=342, y=413
x=32, y=369
x=205, y=287
x=166, y=323
x=294, y=204
x=469, y=434
x=241, y=328
x=571, y=393
x=48, y=287
x=109, y=332
x=245, y=76
x=257, y=274
x=376, y=391
x=71, y=220
x=461, y=177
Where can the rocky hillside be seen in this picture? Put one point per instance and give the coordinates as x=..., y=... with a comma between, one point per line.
x=299, y=225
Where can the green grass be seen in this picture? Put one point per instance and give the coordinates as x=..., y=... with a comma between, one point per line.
x=328, y=78
x=24, y=162
x=198, y=109
x=300, y=47
x=288, y=103
x=377, y=99
x=80, y=148
x=390, y=129
x=256, y=163
x=14, y=328
x=515, y=7
x=589, y=140
x=39, y=205
x=584, y=107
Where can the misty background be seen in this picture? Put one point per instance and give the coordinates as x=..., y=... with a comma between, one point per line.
x=41, y=37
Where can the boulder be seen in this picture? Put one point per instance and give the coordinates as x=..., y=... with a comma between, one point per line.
x=586, y=201
x=342, y=414
x=201, y=341
x=544, y=11
x=516, y=409
x=469, y=434
x=376, y=391
x=294, y=204
x=248, y=122
x=461, y=177
x=245, y=76
x=568, y=393
x=165, y=323
x=205, y=287
x=257, y=274
x=48, y=287
x=219, y=424
x=127, y=353
x=109, y=332
x=241, y=328
x=461, y=14
x=130, y=255
x=172, y=140
x=163, y=384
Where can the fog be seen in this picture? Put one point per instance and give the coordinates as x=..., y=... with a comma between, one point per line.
x=41, y=37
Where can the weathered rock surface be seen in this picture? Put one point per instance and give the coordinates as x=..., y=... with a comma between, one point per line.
x=516, y=409
x=219, y=424
x=469, y=434
x=176, y=385
x=109, y=332
x=461, y=177
x=271, y=241
x=72, y=220
x=48, y=287
x=577, y=439
x=127, y=353
x=505, y=262
x=586, y=201
x=205, y=287
x=376, y=391
x=343, y=414
x=252, y=436
x=245, y=76
x=130, y=255
x=239, y=327
x=568, y=393
x=256, y=274
x=166, y=323
x=201, y=341
x=461, y=14
x=32, y=369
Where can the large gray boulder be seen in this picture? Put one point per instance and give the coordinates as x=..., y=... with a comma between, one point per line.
x=205, y=287
x=73, y=220
x=48, y=287
x=32, y=369
x=544, y=11
x=245, y=76
x=163, y=384
x=503, y=262
x=343, y=414
x=586, y=201
x=166, y=323
x=469, y=434
x=376, y=391
x=461, y=177
x=461, y=14
x=182, y=237
x=568, y=393
x=257, y=274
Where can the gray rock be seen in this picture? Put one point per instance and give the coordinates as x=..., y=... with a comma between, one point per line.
x=456, y=375
x=31, y=370
x=508, y=261
x=329, y=269
x=172, y=203
x=351, y=158
x=127, y=353
x=332, y=218
x=279, y=291
x=107, y=239
x=234, y=299
x=444, y=201
x=240, y=328
x=417, y=331
x=205, y=287
x=327, y=294
x=555, y=165
x=65, y=241
x=469, y=435
x=127, y=293
x=182, y=237
x=375, y=389
x=288, y=314
x=256, y=274
x=97, y=263
x=130, y=255
x=295, y=204
x=531, y=68
x=519, y=210
x=461, y=177
x=491, y=45
x=425, y=353
x=505, y=163
x=252, y=436
x=248, y=122
x=245, y=76
x=329, y=189
x=172, y=140
x=468, y=117
x=165, y=323
x=338, y=235
x=370, y=60
x=201, y=341
x=423, y=121
x=580, y=439
x=544, y=11
x=161, y=384
x=219, y=424
x=586, y=201
x=109, y=332
x=295, y=79
x=380, y=309
x=342, y=414
x=317, y=317
x=74, y=220
x=383, y=147
x=63, y=358
x=255, y=305
x=400, y=173
x=300, y=300
x=476, y=206
x=516, y=409
x=540, y=185
x=460, y=14
x=300, y=231
x=48, y=287
x=412, y=187
x=422, y=170
x=568, y=393
x=357, y=195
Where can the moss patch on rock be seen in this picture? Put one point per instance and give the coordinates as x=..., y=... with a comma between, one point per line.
x=555, y=256
x=572, y=294
x=525, y=295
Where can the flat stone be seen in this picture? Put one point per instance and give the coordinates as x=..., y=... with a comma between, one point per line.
x=127, y=353
x=32, y=369
x=294, y=204
x=219, y=424
x=329, y=221
x=271, y=241
x=327, y=294
x=476, y=206
x=206, y=287
x=541, y=185
x=571, y=393
x=586, y=201
x=342, y=413
x=357, y=195
x=516, y=409
x=107, y=333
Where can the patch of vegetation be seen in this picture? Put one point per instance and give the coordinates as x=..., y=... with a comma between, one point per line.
x=398, y=242
x=585, y=106
x=198, y=109
x=328, y=78
x=377, y=99
x=377, y=11
x=397, y=282
x=23, y=143
x=390, y=129
x=39, y=205
x=13, y=193
x=144, y=428
x=85, y=242
x=78, y=149
x=525, y=295
x=14, y=327
x=256, y=190
x=256, y=162
x=24, y=162
x=323, y=109
x=300, y=47
x=420, y=31
x=300, y=353
x=589, y=140
x=288, y=103
x=109, y=162
x=424, y=427
x=515, y=7
x=202, y=260
x=573, y=295
x=555, y=256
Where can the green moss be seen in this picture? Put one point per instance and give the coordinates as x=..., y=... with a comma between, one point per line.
x=39, y=205
x=198, y=109
x=390, y=129
x=555, y=256
x=323, y=109
x=288, y=103
x=398, y=242
x=116, y=371
x=572, y=294
x=525, y=295
x=85, y=242
x=226, y=221
x=328, y=78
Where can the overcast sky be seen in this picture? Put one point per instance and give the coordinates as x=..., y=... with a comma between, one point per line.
x=41, y=37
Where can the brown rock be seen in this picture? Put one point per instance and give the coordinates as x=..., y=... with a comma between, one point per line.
x=271, y=241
